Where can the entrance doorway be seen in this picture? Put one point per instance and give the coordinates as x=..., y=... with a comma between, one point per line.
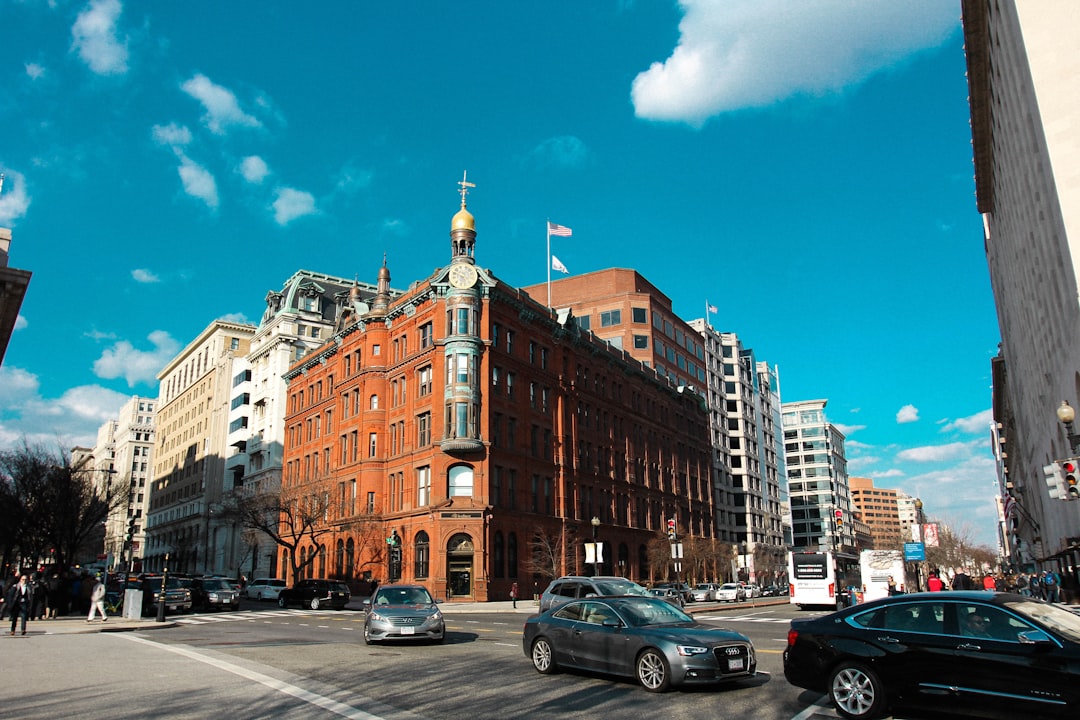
x=459, y=554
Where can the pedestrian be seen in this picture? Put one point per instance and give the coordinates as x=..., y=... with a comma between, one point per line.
x=892, y=585
x=19, y=602
x=41, y=597
x=53, y=594
x=933, y=583
x=1050, y=584
x=1036, y=586
x=97, y=601
x=989, y=583
x=962, y=581
x=1022, y=585
x=514, y=594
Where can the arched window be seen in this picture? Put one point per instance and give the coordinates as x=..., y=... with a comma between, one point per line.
x=374, y=403
x=350, y=558
x=339, y=559
x=499, y=555
x=460, y=481
x=423, y=555
x=511, y=555
x=322, y=561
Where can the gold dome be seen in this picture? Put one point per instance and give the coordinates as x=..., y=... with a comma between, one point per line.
x=463, y=220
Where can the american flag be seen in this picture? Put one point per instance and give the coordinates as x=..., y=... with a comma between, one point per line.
x=1008, y=506
x=558, y=230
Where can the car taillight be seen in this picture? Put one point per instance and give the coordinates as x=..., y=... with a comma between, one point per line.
x=832, y=589
x=792, y=636
x=791, y=589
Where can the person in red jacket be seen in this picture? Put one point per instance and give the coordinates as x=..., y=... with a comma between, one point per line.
x=933, y=583
x=989, y=582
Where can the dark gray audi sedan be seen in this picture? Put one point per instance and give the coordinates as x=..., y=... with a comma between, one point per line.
x=641, y=637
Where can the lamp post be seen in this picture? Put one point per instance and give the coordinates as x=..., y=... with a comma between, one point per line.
x=596, y=545
x=1066, y=414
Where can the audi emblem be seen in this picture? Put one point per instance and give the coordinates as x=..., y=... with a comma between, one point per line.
x=732, y=650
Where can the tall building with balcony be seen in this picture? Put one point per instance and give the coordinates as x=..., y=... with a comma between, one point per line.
x=474, y=426
x=817, y=479
x=130, y=440
x=195, y=423
x=877, y=507
x=1023, y=70
x=297, y=321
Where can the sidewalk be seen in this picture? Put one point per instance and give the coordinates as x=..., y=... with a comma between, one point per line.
x=74, y=625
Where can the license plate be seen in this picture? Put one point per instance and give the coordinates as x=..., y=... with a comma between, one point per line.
x=408, y=631
x=735, y=664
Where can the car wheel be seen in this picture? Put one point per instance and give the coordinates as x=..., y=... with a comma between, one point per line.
x=543, y=656
x=281, y=602
x=314, y=604
x=652, y=671
x=367, y=636
x=856, y=691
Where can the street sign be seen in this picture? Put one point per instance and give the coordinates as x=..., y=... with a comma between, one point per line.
x=914, y=552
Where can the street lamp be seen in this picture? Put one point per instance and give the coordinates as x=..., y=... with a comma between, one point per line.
x=1066, y=414
x=596, y=545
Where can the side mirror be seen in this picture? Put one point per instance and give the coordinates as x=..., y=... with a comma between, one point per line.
x=366, y=604
x=611, y=622
x=1034, y=637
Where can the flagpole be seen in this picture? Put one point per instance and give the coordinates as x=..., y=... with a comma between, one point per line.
x=547, y=224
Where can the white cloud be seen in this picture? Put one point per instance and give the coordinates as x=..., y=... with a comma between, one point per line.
x=395, y=226
x=173, y=135
x=352, y=179
x=907, y=414
x=736, y=54
x=20, y=322
x=34, y=71
x=94, y=37
x=292, y=204
x=198, y=181
x=72, y=419
x=848, y=429
x=890, y=473
x=237, y=317
x=254, y=169
x=978, y=423
x=13, y=201
x=143, y=275
x=123, y=360
x=222, y=108
x=962, y=492
x=939, y=453
x=564, y=151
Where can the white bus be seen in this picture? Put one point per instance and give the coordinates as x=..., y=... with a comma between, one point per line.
x=821, y=579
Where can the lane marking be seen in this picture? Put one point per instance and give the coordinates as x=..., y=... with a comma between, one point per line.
x=299, y=693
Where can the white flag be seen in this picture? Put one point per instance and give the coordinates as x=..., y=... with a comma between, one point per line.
x=557, y=265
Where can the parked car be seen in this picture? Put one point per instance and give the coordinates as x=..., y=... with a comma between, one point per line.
x=177, y=597
x=771, y=591
x=641, y=637
x=685, y=590
x=986, y=653
x=214, y=593
x=751, y=590
x=403, y=612
x=704, y=592
x=730, y=592
x=264, y=588
x=570, y=587
x=669, y=594
x=315, y=593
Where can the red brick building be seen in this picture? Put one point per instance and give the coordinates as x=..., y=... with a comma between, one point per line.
x=486, y=431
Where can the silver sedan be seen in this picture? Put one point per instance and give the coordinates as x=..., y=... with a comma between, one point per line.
x=403, y=612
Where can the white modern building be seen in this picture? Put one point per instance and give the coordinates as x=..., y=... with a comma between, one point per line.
x=817, y=479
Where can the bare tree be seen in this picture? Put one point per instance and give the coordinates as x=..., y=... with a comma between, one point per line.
x=547, y=550
x=956, y=549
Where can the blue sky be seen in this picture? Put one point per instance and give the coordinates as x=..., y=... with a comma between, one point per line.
x=806, y=167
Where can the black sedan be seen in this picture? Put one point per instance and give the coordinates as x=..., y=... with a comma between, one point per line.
x=316, y=593
x=981, y=653
x=641, y=637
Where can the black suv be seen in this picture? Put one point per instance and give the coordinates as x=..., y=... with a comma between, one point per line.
x=315, y=594
x=177, y=597
x=214, y=593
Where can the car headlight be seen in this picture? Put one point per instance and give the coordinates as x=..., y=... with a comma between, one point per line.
x=688, y=650
x=436, y=615
x=377, y=617
x=213, y=597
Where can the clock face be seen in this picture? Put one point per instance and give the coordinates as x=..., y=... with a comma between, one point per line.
x=463, y=276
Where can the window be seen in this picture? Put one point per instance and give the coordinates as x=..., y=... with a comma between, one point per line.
x=238, y=424
x=640, y=315
x=234, y=344
x=460, y=481
x=641, y=342
x=423, y=555
x=610, y=317
x=425, y=380
x=372, y=444
x=373, y=402
x=423, y=486
x=423, y=429
x=241, y=399
x=463, y=315
x=242, y=377
x=509, y=342
x=426, y=337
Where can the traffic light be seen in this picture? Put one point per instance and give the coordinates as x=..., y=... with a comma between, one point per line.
x=671, y=528
x=130, y=529
x=839, y=519
x=1068, y=469
x=1055, y=483
x=394, y=540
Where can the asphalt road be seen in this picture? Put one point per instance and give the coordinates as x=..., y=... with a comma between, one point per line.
x=268, y=662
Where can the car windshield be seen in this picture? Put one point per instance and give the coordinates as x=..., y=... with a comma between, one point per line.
x=620, y=587
x=641, y=612
x=403, y=596
x=217, y=585
x=729, y=586
x=703, y=586
x=1060, y=621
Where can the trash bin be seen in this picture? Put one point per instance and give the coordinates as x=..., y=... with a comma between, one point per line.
x=133, y=604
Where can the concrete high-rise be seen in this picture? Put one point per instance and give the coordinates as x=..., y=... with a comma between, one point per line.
x=1023, y=71
x=877, y=508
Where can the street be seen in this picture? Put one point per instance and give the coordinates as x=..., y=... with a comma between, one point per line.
x=268, y=662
